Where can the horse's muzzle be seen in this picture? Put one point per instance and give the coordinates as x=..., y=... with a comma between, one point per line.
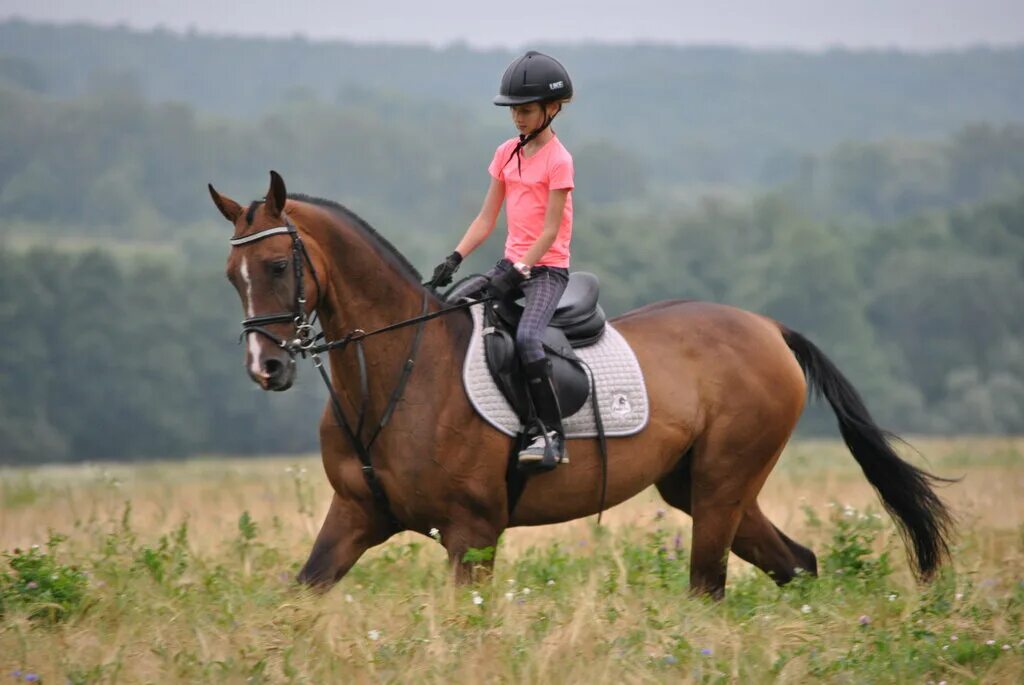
x=276, y=373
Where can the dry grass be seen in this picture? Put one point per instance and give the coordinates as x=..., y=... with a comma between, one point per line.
x=616, y=612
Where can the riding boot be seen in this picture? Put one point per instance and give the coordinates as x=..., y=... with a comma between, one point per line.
x=548, y=447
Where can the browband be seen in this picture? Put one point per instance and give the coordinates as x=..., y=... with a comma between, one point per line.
x=265, y=233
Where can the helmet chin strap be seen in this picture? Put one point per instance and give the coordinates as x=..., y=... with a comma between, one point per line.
x=524, y=139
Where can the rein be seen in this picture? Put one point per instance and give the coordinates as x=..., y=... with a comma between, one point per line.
x=307, y=343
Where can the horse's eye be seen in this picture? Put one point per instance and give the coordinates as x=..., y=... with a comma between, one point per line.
x=278, y=268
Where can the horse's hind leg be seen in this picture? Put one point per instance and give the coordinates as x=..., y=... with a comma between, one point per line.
x=348, y=531
x=765, y=546
x=757, y=540
x=716, y=512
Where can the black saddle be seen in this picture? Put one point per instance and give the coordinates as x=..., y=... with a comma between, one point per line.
x=578, y=322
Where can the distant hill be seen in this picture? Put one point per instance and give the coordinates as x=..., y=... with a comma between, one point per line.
x=692, y=114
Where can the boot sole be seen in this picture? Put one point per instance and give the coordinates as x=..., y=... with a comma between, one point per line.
x=535, y=458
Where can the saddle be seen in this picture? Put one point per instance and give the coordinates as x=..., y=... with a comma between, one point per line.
x=578, y=322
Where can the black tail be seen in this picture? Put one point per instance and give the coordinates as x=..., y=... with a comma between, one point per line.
x=923, y=520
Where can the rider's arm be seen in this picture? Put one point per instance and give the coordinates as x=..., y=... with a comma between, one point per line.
x=485, y=221
x=552, y=222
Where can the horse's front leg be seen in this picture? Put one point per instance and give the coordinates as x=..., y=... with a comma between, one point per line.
x=348, y=531
x=471, y=542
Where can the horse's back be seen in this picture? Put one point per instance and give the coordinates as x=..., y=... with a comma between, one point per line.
x=731, y=356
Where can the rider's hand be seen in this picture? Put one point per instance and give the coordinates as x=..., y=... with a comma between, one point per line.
x=445, y=270
x=505, y=283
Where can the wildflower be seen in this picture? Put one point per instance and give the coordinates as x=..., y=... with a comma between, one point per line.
x=526, y=590
x=32, y=585
x=953, y=638
x=706, y=651
x=805, y=609
x=990, y=642
x=348, y=598
x=435, y=533
x=959, y=596
x=31, y=677
x=510, y=596
x=1006, y=648
x=511, y=581
x=864, y=620
x=945, y=648
x=670, y=660
x=892, y=597
x=551, y=581
x=373, y=635
x=477, y=599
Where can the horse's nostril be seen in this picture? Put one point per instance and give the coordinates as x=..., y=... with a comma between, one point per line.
x=273, y=367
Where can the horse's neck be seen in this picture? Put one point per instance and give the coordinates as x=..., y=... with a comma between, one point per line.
x=366, y=290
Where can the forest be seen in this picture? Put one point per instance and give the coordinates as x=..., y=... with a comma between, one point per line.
x=872, y=200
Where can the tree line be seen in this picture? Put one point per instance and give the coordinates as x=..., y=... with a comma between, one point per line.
x=110, y=359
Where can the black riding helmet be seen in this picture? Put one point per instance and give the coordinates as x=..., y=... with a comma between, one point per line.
x=534, y=77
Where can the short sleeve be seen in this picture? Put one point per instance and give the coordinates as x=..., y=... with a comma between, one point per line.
x=497, y=165
x=561, y=172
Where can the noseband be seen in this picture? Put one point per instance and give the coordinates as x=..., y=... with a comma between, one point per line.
x=304, y=338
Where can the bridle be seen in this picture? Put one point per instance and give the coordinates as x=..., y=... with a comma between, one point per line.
x=304, y=338
x=307, y=343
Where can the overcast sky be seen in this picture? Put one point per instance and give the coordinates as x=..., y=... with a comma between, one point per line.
x=808, y=24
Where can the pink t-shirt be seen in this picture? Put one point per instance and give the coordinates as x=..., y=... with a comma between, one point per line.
x=526, y=198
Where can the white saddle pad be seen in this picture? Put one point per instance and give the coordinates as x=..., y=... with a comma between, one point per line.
x=621, y=393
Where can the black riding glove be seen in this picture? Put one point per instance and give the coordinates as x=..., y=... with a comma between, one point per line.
x=446, y=269
x=505, y=283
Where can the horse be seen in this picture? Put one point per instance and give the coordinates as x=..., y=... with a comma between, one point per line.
x=726, y=388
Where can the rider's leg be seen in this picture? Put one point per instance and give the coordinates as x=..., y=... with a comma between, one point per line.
x=542, y=292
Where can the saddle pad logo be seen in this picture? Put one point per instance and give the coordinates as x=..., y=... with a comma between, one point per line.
x=621, y=405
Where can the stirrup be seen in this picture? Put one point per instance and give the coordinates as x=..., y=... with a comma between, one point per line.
x=543, y=449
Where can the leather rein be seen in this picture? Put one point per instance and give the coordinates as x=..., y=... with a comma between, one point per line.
x=307, y=343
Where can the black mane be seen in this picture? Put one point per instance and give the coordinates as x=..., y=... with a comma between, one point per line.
x=354, y=218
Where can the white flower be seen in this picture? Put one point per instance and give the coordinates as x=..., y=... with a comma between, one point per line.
x=990, y=642
x=959, y=595
x=373, y=635
x=805, y=609
x=945, y=647
x=953, y=638
x=526, y=590
x=892, y=597
x=510, y=596
x=478, y=600
x=511, y=581
x=551, y=581
x=1006, y=648
x=435, y=533
x=348, y=598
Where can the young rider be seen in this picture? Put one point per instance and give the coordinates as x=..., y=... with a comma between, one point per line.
x=533, y=175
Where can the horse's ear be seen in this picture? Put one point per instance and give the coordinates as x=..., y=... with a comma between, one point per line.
x=276, y=196
x=228, y=207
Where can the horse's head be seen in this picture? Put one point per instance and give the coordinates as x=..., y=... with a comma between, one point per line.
x=272, y=272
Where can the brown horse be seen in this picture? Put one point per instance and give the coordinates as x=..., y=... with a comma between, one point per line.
x=726, y=388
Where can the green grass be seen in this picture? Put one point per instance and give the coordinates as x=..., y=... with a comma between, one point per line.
x=183, y=573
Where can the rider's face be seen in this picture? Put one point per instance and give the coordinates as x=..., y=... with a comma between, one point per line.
x=527, y=118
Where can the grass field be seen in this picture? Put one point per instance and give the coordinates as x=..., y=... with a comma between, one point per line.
x=181, y=572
